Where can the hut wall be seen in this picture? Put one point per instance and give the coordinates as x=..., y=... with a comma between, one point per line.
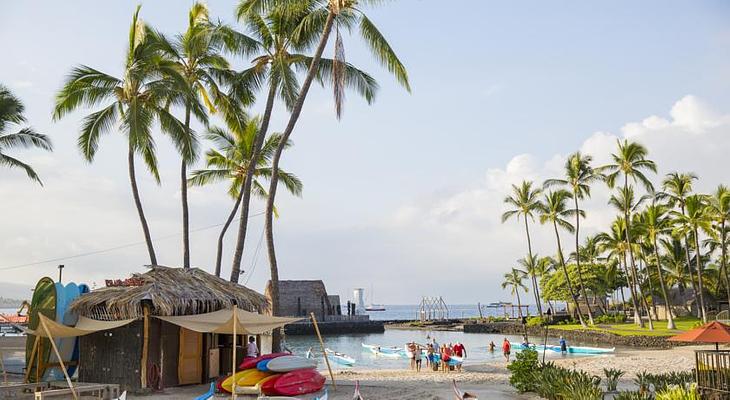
x=112, y=356
x=171, y=349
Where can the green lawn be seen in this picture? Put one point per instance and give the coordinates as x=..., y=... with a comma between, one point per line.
x=629, y=329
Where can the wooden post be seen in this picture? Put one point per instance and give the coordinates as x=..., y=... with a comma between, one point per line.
x=2, y=365
x=233, y=352
x=60, y=359
x=145, y=346
x=324, y=352
x=31, y=359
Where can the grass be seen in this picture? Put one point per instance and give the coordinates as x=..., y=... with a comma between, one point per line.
x=629, y=329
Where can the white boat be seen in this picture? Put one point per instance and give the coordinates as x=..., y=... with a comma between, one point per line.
x=382, y=349
x=578, y=349
x=340, y=358
x=374, y=307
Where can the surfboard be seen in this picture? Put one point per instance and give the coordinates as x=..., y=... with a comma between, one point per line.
x=42, y=302
x=83, y=289
x=251, y=362
x=290, y=363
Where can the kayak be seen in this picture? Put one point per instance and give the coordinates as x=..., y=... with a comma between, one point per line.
x=299, y=382
x=382, y=349
x=340, y=358
x=290, y=363
x=577, y=349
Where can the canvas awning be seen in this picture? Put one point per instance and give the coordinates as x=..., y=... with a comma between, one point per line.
x=222, y=322
x=84, y=326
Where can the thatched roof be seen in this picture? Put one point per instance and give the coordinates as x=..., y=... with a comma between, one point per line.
x=170, y=291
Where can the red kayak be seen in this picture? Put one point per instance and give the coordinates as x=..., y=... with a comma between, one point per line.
x=252, y=361
x=299, y=382
x=267, y=387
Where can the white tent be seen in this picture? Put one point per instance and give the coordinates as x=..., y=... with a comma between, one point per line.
x=222, y=322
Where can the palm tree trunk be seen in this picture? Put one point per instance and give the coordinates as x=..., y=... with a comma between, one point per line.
x=699, y=276
x=634, y=297
x=689, y=269
x=535, y=288
x=519, y=302
x=623, y=301
x=723, y=260
x=627, y=216
x=184, y=197
x=644, y=267
x=140, y=211
x=248, y=181
x=567, y=277
x=274, y=181
x=577, y=261
x=219, y=253
x=667, y=304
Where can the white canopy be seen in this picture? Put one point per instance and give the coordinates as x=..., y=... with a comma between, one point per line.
x=84, y=326
x=222, y=322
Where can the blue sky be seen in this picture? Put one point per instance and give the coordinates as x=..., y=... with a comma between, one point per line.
x=501, y=91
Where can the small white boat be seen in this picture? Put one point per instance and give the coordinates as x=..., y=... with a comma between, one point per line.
x=340, y=358
x=577, y=349
x=375, y=307
x=382, y=349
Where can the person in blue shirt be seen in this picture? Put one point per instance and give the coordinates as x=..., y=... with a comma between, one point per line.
x=563, y=346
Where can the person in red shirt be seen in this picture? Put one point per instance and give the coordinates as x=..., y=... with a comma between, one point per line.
x=506, y=348
x=459, y=351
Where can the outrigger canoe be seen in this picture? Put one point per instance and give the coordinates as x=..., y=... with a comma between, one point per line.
x=340, y=358
x=578, y=349
x=382, y=349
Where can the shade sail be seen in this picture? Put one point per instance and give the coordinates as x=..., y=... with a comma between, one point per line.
x=714, y=332
x=84, y=326
x=222, y=322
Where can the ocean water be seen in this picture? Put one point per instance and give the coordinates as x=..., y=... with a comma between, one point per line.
x=411, y=312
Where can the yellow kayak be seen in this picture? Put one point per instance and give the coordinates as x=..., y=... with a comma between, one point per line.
x=248, y=377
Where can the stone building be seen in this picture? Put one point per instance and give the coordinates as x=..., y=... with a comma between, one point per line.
x=297, y=298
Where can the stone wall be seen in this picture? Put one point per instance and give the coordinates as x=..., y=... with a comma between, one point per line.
x=335, y=327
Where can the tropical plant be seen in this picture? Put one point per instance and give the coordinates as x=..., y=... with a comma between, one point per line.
x=718, y=205
x=11, y=113
x=553, y=210
x=132, y=102
x=513, y=280
x=525, y=203
x=325, y=16
x=579, y=174
x=231, y=162
x=522, y=371
x=283, y=34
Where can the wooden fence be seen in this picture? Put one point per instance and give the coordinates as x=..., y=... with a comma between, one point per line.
x=713, y=371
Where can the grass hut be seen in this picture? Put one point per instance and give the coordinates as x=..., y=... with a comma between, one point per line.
x=150, y=353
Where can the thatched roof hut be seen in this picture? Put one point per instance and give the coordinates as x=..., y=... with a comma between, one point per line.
x=169, y=291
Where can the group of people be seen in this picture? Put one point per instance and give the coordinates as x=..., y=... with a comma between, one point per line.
x=437, y=356
x=507, y=346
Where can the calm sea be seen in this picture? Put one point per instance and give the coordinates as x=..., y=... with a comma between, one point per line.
x=411, y=312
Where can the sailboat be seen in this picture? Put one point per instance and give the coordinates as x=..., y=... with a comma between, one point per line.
x=372, y=306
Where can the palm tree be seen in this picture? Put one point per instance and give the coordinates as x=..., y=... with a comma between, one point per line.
x=280, y=41
x=326, y=15
x=196, y=59
x=553, y=210
x=676, y=187
x=135, y=101
x=525, y=203
x=514, y=281
x=697, y=217
x=578, y=178
x=231, y=161
x=614, y=242
x=11, y=113
x=654, y=223
x=719, y=208
x=630, y=162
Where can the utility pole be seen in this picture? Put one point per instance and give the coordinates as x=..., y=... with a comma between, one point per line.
x=60, y=272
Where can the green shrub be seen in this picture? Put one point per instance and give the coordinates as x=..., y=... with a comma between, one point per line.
x=612, y=377
x=678, y=393
x=632, y=395
x=610, y=319
x=535, y=321
x=522, y=371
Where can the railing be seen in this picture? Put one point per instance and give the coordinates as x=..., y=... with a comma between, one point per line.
x=713, y=370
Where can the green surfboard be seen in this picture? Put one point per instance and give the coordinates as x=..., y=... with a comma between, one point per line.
x=43, y=302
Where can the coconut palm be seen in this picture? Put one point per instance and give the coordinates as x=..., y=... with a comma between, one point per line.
x=198, y=63
x=554, y=210
x=579, y=174
x=281, y=44
x=525, y=203
x=719, y=208
x=614, y=243
x=675, y=189
x=655, y=224
x=231, y=161
x=630, y=162
x=697, y=217
x=11, y=113
x=325, y=15
x=132, y=102
x=513, y=280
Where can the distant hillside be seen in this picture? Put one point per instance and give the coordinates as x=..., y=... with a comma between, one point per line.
x=17, y=291
x=9, y=303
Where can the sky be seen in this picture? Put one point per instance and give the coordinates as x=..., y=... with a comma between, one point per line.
x=403, y=196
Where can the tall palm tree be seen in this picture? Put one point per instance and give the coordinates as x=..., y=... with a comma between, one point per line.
x=675, y=189
x=232, y=160
x=696, y=218
x=11, y=113
x=525, y=203
x=654, y=223
x=197, y=60
x=132, y=102
x=281, y=43
x=630, y=162
x=719, y=208
x=553, y=210
x=326, y=15
x=579, y=174
x=513, y=280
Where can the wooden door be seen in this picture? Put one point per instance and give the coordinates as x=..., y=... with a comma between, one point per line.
x=190, y=360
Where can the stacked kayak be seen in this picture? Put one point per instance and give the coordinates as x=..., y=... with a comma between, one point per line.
x=278, y=374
